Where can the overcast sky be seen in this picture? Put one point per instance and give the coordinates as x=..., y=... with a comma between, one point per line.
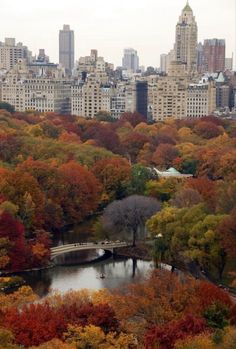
x=112, y=25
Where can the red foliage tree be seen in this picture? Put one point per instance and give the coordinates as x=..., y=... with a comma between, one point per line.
x=227, y=231
x=112, y=174
x=35, y=324
x=39, y=323
x=209, y=294
x=165, y=155
x=104, y=136
x=133, y=143
x=205, y=187
x=207, y=129
x=14, y=230
x=133, y=118
x=165, y=337
x=81, y=191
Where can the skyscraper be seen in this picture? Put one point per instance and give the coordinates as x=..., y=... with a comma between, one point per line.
x=214, y=55
x=130, y=60
x=163, y=62
x=66, y=49
x=186, y=39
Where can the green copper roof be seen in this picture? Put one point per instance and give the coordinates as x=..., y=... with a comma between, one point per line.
x=187, y=7
x=173, y=171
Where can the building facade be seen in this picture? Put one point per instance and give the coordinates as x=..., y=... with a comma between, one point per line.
x=214, y=55
x=201, y=99
x=10, y=53
x=25, y=91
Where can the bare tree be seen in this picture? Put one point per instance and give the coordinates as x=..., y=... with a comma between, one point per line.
x=125, y=217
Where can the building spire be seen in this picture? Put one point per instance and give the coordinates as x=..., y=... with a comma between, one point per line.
x=187, y=7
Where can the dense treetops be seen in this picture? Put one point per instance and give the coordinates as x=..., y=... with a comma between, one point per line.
x=59, y=170
x=166, y=311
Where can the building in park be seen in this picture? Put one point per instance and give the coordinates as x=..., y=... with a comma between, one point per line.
x=130, y=60
x=66, y=49
x=171, y=173
x=186, y=39
x=214, y=55
x=10, y=53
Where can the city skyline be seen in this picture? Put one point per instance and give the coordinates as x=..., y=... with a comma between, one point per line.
x=109, y=27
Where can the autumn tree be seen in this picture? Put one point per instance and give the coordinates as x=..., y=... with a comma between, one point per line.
x=133, y=118
x=190, y=233
x=126, y=217
x=23, y=190
x=207, y=129
x=186, y=197
x=165, y=155
x=12, y=231
x=81, y=192
x=113, y=174
x=166, y=336
x=132, y=144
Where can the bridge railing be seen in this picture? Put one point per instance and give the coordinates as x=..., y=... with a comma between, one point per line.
x=85, y=246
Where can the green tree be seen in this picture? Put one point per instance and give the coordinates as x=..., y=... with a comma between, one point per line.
x=10, y=108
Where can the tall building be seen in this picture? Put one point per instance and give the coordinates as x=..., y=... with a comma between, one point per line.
x=142, y=97
x=130, y=60
x=163, y=62
x=229, y=63
x=200, y=58
x=186, y=39
x=10, y=53
x=66, y=49
x=214, y=55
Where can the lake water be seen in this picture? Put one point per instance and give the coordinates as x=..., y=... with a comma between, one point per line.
x=117, y=273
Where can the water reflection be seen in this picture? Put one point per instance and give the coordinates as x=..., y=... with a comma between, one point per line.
x=118, y=272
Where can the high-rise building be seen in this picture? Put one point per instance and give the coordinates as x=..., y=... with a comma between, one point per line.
x=66, y=49
x=10, y=53
x=214, y=55
x=130, y=60
x=142, y=97
x=163, y=62
x=186, y=39
x=200, y=58
x=229, y=63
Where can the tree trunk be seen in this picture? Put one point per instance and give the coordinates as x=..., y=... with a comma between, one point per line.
x=134, y=237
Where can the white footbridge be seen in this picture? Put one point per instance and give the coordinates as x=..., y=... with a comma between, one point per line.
x=108, y=246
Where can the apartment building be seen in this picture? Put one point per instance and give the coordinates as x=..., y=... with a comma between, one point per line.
x=26, y=92
x=10, y=53
x=201, y=99
x=88, y=99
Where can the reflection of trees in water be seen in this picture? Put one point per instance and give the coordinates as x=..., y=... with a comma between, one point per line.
x=73, y=258
x=118, y=272
x=40, y=281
